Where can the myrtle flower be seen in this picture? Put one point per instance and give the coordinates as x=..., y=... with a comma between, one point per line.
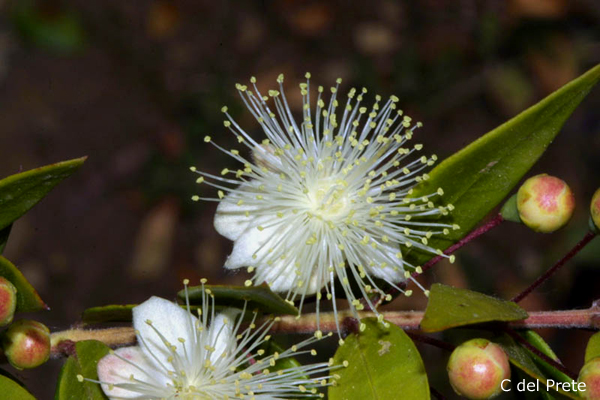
x=181, y=356
x=325, y=197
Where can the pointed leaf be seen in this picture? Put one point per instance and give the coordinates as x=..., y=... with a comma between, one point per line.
x=520, y=358
x=478, y=177
x=593, y=347
x=28, y=299
x=84, y=363
x=109, y=313
x=10, y=389
x=260, y=297
x=4, y=232
x=450, y=307
x=383, y=363
x=539, y=343
x=20, y=192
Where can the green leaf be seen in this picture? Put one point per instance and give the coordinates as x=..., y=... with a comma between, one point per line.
x=12, y=390
x=479, y=176
x=593, y=347
x=260, y=297
x=124, y=313
x=450, y=307
x=28, y=299
x=4, y=232
x=109, y=313
x=539, y=343
x=84, y=363
x=509, y=210
x=382, y=364
x=520, y=358
x=20, y=192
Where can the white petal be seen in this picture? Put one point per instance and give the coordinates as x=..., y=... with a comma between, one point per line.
x=169, y=321
x=251, y=241
x=281, y=277
x=393, y=271
x=118, y=368
x=230, y=218
x=221, y=335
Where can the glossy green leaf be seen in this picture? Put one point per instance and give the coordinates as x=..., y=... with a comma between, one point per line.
x=109, y=313
x=479, y=176
x=4, y=233
x=123, y=313
x=84, y=363
x=520, y=358
x=28, y=299
x=449, y=307
x=539, y=343
x=382, y=364
x=10, y=389
x=593, y=347
x=260, y=297
x=20, y=192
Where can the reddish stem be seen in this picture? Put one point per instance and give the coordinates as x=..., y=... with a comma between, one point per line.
x=431, y=341
x=586, y=239
x=494, y=222
x=474, y=234
x=436, y=394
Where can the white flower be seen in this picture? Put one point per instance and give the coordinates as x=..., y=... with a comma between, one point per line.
x=180, y=356
x=327, y=197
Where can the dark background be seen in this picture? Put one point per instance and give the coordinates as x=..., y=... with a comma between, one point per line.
x=136, y=85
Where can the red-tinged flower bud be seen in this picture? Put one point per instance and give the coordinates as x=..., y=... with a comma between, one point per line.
x=595, y=208
x=590, y=375
x=26, y=344
x=545, y=203
x=477, y=368
x=8, y=301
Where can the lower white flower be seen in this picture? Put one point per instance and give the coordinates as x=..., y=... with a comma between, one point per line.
x=180, y=356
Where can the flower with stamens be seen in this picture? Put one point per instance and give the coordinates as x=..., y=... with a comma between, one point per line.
x=327, y=197
x=181, y=356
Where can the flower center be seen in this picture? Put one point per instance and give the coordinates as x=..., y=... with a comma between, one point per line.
x=329, y=200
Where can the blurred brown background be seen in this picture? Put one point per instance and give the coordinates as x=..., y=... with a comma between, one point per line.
x=136, y=85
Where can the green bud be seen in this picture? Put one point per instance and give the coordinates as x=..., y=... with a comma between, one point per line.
x=8, y=301
x=590, y=375
x=26, y=344
x=545, y=203
x=477, y=368
x=595, y=209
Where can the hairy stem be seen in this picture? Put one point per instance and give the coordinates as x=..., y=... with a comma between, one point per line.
x=408, y=320
x=582, y=243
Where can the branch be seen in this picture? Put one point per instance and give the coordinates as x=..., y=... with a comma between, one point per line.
x=407, y=320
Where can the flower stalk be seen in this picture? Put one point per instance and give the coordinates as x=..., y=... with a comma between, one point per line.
x=543, y=278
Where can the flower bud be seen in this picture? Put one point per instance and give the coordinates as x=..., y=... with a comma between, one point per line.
x=8, y=301
x=545, y=203
x=590, y=375
x=26, y=344
x=595, y=209
x=477, y=368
